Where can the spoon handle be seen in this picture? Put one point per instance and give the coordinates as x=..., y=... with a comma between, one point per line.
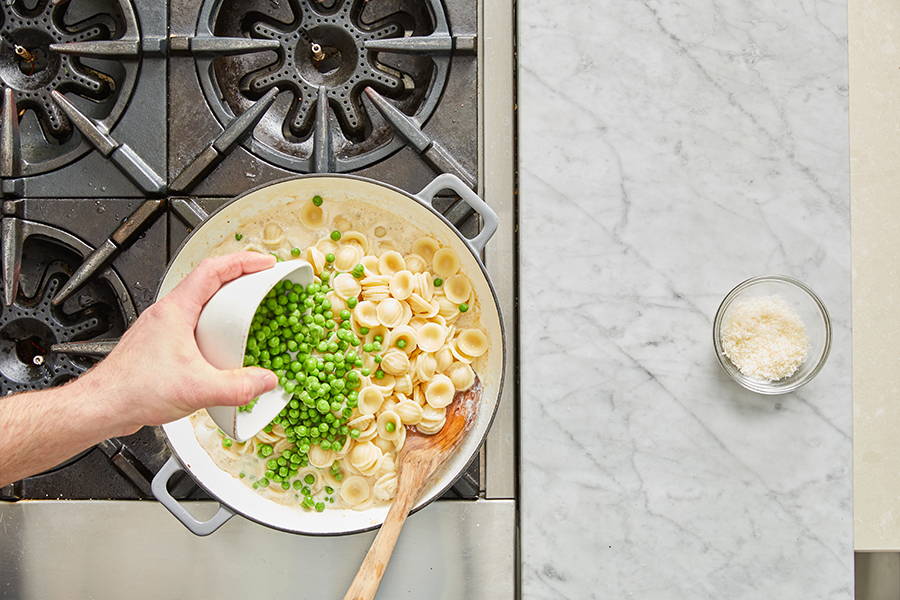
x=368, y=577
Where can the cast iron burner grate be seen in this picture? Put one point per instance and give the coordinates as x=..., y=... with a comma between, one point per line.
x=326, y=54
x=40, y=48
x=32, y=324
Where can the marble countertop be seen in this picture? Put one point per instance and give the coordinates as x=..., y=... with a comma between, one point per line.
x=669, y=150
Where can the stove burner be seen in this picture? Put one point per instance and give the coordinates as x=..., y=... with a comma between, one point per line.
x=327, y=54
x=324, y=51
x=32, y=66
x=31, y=325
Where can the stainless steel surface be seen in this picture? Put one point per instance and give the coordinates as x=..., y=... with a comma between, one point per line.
x=94, y=261
x=136, y=550
x=498, y=168
x=238, y=128
x=189, y=211
x=122, y=155
x=99, y=48
x=286, y=136
x=877, y=575
x=36, y=71
x=409, y=130
x=10, y=162
x=92, y=348
x=453, y=549
x=454, y=121
x=29, y=326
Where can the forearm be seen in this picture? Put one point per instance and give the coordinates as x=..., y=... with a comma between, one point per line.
x=39, y=430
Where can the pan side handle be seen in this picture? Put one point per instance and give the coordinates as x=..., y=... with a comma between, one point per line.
x=196, y=526
x=489, y=218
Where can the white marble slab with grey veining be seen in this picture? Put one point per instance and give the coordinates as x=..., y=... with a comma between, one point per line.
x=668, y=151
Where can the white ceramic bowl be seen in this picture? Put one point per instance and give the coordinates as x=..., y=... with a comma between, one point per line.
x=222, y=338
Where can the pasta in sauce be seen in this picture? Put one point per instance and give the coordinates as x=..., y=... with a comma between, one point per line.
x=414, y=295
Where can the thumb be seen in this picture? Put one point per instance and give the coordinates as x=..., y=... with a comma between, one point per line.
x=237, y=387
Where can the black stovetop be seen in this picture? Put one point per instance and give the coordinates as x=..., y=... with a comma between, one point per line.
x=169, y=110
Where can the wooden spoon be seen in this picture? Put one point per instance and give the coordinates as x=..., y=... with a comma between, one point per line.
x=419, y=458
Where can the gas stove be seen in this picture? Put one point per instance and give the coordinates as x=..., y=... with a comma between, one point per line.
x=124, y=123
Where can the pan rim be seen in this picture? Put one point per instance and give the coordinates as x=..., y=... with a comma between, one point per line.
x=503, y=349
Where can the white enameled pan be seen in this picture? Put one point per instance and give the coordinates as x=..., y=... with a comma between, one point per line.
x=233, y=495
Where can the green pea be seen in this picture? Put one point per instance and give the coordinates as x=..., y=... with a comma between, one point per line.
x=329, y=257
x=317, y=200
x=401, y=343
x=352, y=302
x=238, y=236
x=295, y=252
x=463, y=307
x=438, y=282
x=335, y=235
x=390, y=427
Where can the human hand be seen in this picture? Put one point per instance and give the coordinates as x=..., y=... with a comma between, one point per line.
x=156, y=373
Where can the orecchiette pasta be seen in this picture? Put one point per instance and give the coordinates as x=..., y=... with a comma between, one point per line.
x=370, y=399
x=391, y=262
x=444, y=358
x=389, y=425
x=461, y=375
x=407, y=349
x=366, y=313
x=458, y=288
x=365, y=425
x=312, y=216
x=403, y=384
x=355, y=490
x=409, y=412
x=445, y=263
x=406, y=335
x=415, y=263
x=433, y=420
x=473, y=342
x=346, y=286
x=440, y=391
x=395, y=362
x=320, y=458
x=365, y=458
x=315, y=258
x=385, y=445
x=390, y=312
x=431, y=337
x=425, y=247
x=402, y=283
x=347, y=256
x=355, y=237
x=385, y=486
x=273, y=235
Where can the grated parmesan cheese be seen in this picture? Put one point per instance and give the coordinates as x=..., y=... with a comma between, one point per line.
x=764, y=338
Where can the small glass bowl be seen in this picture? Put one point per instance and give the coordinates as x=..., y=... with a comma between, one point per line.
x=811, y=310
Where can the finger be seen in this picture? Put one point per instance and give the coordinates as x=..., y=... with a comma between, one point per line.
x=238, y=386
x=212, y=273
